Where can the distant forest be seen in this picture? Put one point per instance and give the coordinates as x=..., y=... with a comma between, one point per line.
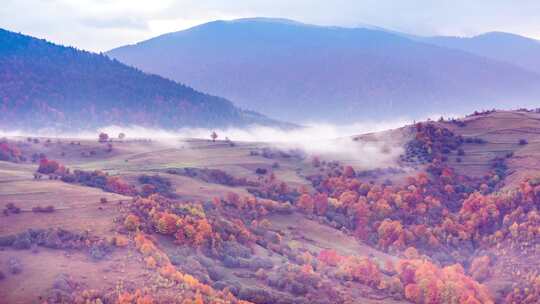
x=47, y=85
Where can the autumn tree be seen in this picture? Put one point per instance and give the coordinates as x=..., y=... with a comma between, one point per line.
x=305, y=202
x=103, y=137
x=49, y=166
x=132, y=222
x=329, y=257
x=167, y=223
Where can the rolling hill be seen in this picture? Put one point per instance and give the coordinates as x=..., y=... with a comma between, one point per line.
x=43, y=85
x=302, y=72
x=452, y=217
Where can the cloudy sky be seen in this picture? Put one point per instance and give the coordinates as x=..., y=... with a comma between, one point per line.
x=100, y=25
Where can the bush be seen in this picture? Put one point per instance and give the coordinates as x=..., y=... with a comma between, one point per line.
x=155, y=184
x=7, y=240
x=99, y=251
x=261, y=171
x=22, y=241
x=120, y=241
x=47, y=209
x=48, y=166
x=11, y=208
x=256, y=295
x=478, y=140
x=103, y=137
x=132, y=222
x=14, y=265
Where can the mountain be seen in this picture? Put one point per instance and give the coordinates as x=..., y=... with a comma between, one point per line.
x=521, y=51
x=301, y=72
x=43, y=85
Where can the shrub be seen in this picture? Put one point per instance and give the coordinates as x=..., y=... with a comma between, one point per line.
x=155, y=184
x=49, y=166
x=329, y=257
x=132, y=222
x=9, y=152
x=11, y=208
x=14, y=265
x=103, y=137
x=261, y=171
x=478, y=140
x=116, y=184
x=46, y=209
x=22, y=241
x=121, y=241
x=99, y=250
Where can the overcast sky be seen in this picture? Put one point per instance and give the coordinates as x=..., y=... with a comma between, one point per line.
x=100, y=25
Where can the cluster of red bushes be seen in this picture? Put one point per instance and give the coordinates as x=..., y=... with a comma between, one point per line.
x=424, y=282
x=443, y=214
x=271, y=188
x=96, y=179
x=9, y=152
x=252, y=208
x=185, y=287
x=188, y=223
x=419, y=281
x=47, y=166
x=433, y=209
x=192, y=290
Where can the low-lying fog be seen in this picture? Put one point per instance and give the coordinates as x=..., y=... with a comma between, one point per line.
x=316, y=139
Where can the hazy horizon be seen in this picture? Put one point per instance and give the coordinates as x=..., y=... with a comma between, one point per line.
x=99, y=26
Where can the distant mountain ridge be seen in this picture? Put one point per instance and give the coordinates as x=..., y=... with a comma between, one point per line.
x=518, y=50
x=43, y=85
x=301, y=72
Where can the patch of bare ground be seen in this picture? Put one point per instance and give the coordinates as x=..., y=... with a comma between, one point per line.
x=40, y=271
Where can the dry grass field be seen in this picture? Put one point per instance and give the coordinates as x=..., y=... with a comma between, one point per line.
x=100, y=216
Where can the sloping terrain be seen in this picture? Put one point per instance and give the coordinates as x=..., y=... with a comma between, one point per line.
x=504, y=47
x=452, y=218
x=43, y=85
x=300, y=72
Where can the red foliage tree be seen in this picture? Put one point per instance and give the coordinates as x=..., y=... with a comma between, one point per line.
x=320, y=201
x=49, y=166
x=305, y=202
x=117, y=185
x=329, y=257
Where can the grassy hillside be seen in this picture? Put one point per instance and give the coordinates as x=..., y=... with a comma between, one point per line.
x=454, y=219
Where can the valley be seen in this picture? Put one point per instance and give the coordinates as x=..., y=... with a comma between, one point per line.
x=450, y=216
